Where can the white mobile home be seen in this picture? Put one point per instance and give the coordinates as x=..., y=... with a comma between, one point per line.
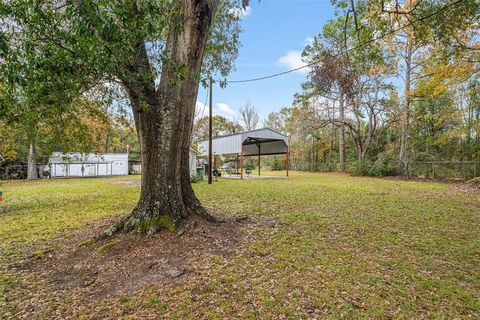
x=136, y=166
x=88, y=165
x=193, y=160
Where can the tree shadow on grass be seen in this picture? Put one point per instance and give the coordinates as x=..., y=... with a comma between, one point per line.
x=87, y=271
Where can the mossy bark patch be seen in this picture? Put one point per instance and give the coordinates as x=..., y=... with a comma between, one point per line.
x=158, y=223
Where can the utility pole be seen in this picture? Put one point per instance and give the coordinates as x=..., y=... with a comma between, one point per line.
x=210, y=131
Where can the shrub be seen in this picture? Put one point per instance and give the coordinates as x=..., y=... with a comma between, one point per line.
x=381, y=168
x=384, y=167
x=361, y=168
x=250, y=166
x=276, y=165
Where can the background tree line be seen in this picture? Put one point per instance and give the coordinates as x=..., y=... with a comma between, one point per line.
x=89, y=126
x=385, y=90
x=389, y=83
x=247, y=120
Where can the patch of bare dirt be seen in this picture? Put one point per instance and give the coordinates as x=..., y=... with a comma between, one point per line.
x=125, y=263
x=336, y=173
x=469, y=186
x=128, y=182
x=423, y=179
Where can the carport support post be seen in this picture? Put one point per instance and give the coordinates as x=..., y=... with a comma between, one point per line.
x=241, y=162
x=258, y=145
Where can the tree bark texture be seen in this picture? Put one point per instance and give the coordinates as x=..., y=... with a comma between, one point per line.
x=164, y=121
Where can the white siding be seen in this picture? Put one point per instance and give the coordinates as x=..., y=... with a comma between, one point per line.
x=70, y=164
x=232, y=144
x=222, y=145
x=193, y=163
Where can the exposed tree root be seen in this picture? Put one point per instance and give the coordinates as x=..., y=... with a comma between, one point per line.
x=142, y=222
x=202, y=212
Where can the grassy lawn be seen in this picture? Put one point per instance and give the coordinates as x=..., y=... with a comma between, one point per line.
x=343, y=247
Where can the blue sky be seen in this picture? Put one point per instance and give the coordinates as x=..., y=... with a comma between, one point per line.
x=274, y=34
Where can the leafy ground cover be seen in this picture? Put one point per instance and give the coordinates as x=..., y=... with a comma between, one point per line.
x=311, y=246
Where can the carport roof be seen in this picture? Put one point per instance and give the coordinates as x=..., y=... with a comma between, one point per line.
x=270, y=142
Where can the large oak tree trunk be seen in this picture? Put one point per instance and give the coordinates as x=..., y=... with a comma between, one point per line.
x=164, y=121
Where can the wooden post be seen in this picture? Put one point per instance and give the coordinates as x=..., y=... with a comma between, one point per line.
x=241, y=162
x=258, y=145
x=210, y=130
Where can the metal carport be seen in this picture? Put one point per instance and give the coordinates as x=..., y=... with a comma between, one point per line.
x=260, y=142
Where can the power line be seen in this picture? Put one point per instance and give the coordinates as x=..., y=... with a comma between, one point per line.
x=349, y=49
x=204, y=105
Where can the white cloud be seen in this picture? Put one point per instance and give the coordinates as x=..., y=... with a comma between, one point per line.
x=201, y=110
x=293, y=60
x=240, y=12
x=225, y=110
x=200, y=107
x=221, y=109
